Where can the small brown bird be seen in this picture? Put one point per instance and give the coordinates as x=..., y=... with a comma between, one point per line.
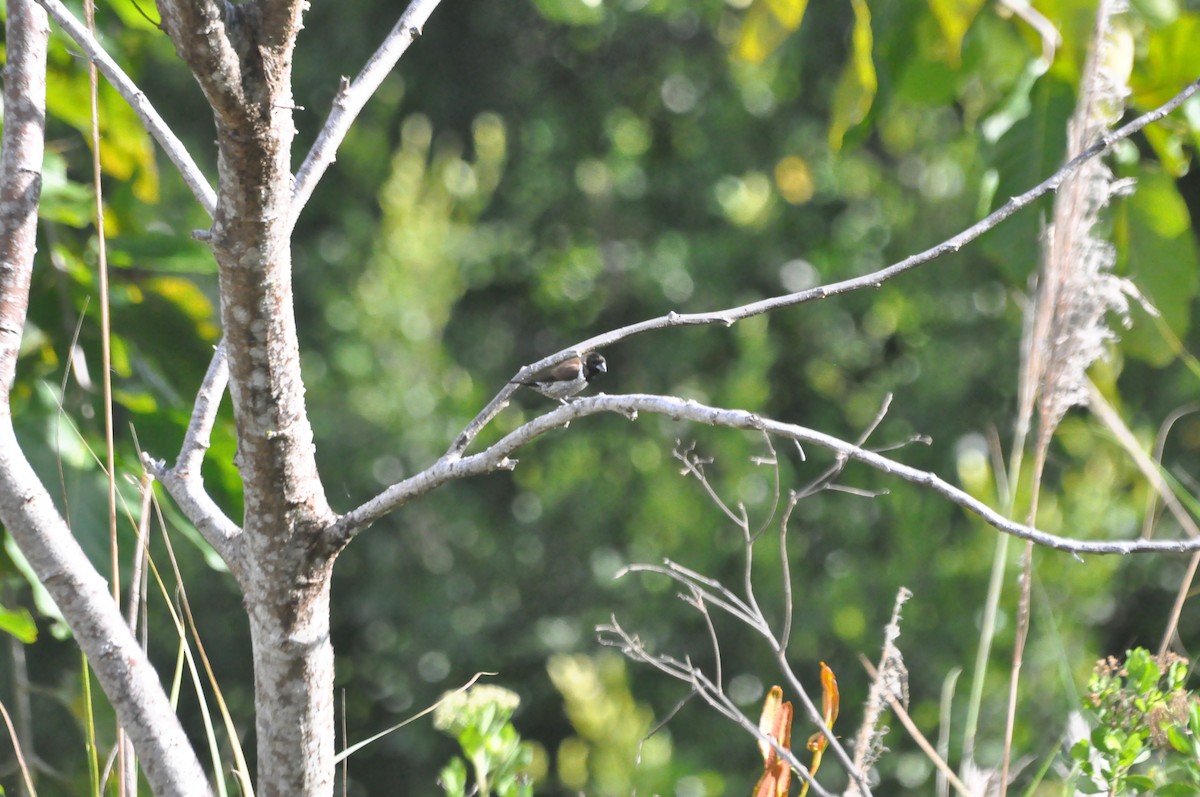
x=567, y=378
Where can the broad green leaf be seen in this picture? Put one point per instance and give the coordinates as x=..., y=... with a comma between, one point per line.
x=765, y=27
x=1169, y=60
x=1152, y=229
x=1026, y=154
x=1178, y=790
x=139, y=402
x=63, y=200
x=19, y=623
x=1180, y=740
x=161, y=252
x=954, y=17
x=856, y=87
x=126, y=150
x=134, y=14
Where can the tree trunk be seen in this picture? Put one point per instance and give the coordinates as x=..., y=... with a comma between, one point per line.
x=293, y=687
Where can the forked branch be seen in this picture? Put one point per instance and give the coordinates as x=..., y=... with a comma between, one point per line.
x=499, y=457
x=732, y=315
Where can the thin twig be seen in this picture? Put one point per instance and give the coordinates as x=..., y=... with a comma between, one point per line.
x=353, y=96
x=613, y=635
x=155, y=125
x=183, y=481
x=732, y=315
x=498, y=457
x=16, y=743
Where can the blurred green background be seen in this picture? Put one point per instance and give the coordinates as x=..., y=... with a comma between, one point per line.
x=534, y=173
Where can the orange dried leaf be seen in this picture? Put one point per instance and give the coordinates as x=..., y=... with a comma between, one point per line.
x=768, y=721
x=775, y=722
x=830, y=698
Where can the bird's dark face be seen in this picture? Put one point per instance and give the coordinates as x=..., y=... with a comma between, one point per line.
x=594, y=364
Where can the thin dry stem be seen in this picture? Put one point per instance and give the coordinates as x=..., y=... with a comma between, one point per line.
x=887, y=679
x=928, y=749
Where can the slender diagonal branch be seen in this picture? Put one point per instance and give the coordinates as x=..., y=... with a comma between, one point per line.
x=498, y=457
x=26, y=508
x=732, y=315
x=138, y=101
x=353, y=96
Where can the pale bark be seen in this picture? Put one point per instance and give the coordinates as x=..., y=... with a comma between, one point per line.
x=242, y=58
x=26, y=509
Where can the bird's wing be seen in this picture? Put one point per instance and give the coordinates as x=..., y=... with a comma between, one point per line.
x=563, y=372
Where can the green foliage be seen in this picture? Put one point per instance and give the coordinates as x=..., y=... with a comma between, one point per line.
x=1147, y=734
x=611, y=730
x=536, y=173
x=479, y=719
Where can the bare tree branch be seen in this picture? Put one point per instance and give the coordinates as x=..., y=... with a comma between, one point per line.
x=26, y=508
x=137, y=100
x=732, y=315
x=183, y=481
x=613, y=635
x=498, y=457
x=353, y=96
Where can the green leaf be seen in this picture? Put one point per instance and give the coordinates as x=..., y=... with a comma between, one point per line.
x=19, y=623
x=453, y=778
x=1156, y=249
x=1171, y=60
x=766, y=26
x=1179, y=739
x=1029, y=151
x=139, y=402
x=855, y=92
x=161, y=252
x=126, y=150
x=133, y=14
x=63, y=200
x=1178, y=790
x=954, y=17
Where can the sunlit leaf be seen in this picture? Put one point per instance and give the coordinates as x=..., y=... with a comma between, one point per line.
x=134, y=14
x=63, y=200
x=775, y=722
x=1171, y=60
x=830, y=702
x=126, y=151
x=19, y=623
x=139, y=402
x=954, y=17
x=766, y=25
x=856, y=87
x=1152, y=229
